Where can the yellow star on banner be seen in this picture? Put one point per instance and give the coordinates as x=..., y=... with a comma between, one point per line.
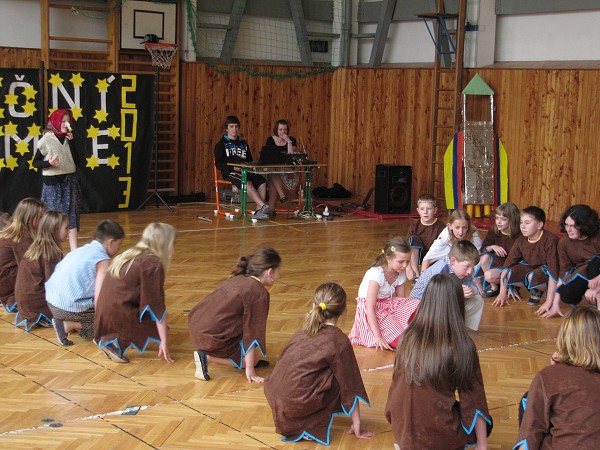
x=76, y=80
x=76, y=112
x=93, y=132
x=10, y=99
x=1, y=79
x=29, y=92
x=92, y=162
x=112, y=161
x=51, y=110
x=22, y=147
x=114, y=132
x=11, y=163
x=102, y=85
x=34, y=130
x=10, y=128
x=31, y=166
x=2, y=165
x=29, y=108
x=1, y=130
x=55, y=80
x=1, y=113
x=100, y=115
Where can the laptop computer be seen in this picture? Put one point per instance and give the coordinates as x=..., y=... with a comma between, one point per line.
x=271, y=155
x=297, y=159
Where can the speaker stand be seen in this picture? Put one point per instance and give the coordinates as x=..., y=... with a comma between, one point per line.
x=155, y=192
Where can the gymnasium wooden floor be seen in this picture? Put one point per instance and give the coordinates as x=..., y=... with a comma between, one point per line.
x=72, y=397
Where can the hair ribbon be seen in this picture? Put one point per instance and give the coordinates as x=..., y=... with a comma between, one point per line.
x=323, y=306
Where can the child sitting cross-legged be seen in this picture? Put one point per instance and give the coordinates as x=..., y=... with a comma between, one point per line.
x=460, y=262
x=532, y=261
x=423, y=233
x=459, y=229
x=579, y=260
x=495, y=249
x=382, y=309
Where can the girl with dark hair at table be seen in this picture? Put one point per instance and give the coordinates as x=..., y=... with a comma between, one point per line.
x=286, y=144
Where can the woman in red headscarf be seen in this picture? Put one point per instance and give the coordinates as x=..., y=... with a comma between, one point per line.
x=58, y=160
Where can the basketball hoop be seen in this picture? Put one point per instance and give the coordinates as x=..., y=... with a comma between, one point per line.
x=161, y=53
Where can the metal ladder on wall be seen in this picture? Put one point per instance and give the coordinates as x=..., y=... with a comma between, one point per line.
x=447, y=32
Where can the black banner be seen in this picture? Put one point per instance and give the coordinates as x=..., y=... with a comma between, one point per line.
x=113, y=123
x=20, y=119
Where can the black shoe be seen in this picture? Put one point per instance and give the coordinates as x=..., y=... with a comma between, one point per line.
x=534, y=297
x=201, y=365
x=112, y=352
x=261, y=364
x=61, y=334
x=489, y=292
x=44, y=322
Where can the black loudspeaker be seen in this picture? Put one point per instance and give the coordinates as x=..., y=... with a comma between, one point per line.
x=393, y=189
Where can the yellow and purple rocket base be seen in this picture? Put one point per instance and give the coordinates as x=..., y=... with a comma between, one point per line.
x=454, y=177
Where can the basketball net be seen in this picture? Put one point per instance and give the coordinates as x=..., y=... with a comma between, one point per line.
x=161, y=53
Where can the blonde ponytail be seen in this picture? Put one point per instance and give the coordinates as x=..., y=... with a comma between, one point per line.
x=329, y=303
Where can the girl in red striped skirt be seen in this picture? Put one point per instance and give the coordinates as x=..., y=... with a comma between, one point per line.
x=382, y=311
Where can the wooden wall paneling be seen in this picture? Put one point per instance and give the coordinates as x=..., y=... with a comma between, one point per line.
x=358, y=143
x=22, y=58
x=587, y=154
x=566, y=115
x=422, y=130
x=357, y=113
x=321, y=122
x=367, y=122
x=340, y=118
x=188, y=149
x=45, y=31
x=579, y=102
